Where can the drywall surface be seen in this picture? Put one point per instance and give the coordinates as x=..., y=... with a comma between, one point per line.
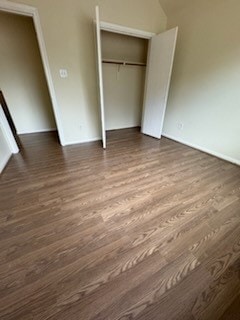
x=22, y=77
x=171, y=6
x=69, y=36
x=204, y=101
x=125, y=48
x=5, y=152
x=123, y=92
x=123, y=85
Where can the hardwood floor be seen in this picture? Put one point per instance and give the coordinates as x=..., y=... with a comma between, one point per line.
x=145, y=230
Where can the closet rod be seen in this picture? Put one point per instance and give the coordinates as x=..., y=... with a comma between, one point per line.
x=124, y=63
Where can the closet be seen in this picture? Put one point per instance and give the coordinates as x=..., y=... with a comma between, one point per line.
x=124, y=61
x=134, y=72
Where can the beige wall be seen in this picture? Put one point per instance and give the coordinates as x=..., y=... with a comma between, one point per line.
x=125, y=48
x=68, y=32
x=123, y=92
x=22, y=78
x=5, y=152
x=204, y=94
x=123, y=85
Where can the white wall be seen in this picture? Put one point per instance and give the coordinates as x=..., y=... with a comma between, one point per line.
x=5, y=152
x=204, y=94
x=68, y=33
x=22, y=77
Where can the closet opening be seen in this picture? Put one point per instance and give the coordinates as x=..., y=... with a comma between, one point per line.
x=134, y=72
x=124, y=60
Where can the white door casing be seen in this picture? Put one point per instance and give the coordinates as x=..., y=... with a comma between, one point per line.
x=100, y=78
x=7, y=132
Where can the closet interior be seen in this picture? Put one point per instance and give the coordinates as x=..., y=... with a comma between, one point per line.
x=124, y=60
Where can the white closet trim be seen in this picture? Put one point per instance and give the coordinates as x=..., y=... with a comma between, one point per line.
x=7, y=132
x=106, y=26
x=124, y=63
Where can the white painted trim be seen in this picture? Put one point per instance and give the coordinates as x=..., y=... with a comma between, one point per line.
x=100, y=76
x=195, y=146
x=5, y=162
x=160, y=59
x=37, y=131
x=169, y=78
x=110, y=27
x=17, y=8
x=83, y=141
x=25, y=10
x=8, y=133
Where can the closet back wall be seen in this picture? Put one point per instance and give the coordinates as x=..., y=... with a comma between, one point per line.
x=123, y=85
x=22, y=77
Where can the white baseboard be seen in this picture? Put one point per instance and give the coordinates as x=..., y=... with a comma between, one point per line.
x=69, y=143
x=37, y=131
x=194, y=146
x=122, y=128
x=5, y=162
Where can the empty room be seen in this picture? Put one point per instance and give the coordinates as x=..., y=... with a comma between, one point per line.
x=119, y=160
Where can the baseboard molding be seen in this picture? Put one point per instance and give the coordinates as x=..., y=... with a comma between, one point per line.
x=124, y=128
x=69, y=143
x=195, y=146
x=37, y=131
x=4, y=162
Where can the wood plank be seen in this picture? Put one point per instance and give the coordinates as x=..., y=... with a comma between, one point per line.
x=145, y=230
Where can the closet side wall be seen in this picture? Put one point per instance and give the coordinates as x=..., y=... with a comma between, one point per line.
x=123, y=85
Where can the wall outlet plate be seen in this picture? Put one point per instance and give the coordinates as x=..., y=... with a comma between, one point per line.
x=63, y=73
x=180, y=125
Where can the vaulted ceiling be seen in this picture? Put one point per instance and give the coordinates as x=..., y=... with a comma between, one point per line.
x=170, y=6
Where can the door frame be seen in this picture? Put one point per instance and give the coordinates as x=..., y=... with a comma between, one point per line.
x=100, y=76
x=116, y=28
x=29, y=11
x=8, y=132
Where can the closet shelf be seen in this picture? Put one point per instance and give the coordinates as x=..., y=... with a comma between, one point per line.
x=124, y=63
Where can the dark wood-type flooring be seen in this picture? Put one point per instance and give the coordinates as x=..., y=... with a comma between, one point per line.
x=145, y=230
